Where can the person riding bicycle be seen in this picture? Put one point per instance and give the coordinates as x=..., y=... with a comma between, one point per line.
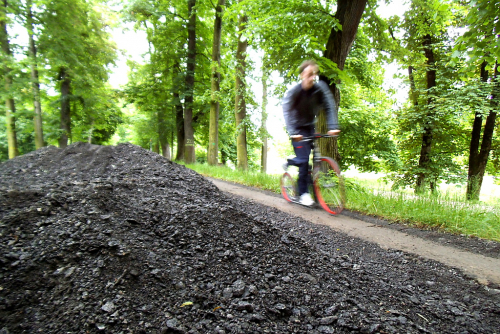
x=301, y=106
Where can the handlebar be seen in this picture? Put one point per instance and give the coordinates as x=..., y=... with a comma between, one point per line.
x=314, y=137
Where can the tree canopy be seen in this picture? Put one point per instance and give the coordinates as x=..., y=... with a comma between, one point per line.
x=192, y=97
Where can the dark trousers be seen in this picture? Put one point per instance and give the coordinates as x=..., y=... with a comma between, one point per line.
x=302, y=151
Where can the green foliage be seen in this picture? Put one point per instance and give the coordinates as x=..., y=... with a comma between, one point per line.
x=367, y=141
x=436, y=111
x=72, y=35
x=25, y=137
x=75, y=37
x=480, y=42
x=151, y=87
x=290, y=32
x=450, y=107
x=96, y=117
x=380, y=32
x=365, y=113
x=146, y=90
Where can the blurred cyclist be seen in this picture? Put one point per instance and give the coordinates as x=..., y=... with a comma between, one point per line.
x=301, y=106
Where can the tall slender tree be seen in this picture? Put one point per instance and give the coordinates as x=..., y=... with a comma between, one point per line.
x=179, y=113
x=213, y=142
x=65, y=114
x=424, y=127
x=35, y=80
x=189, y=151
x=9, y=99
x=428, y=126
x=240, y=91
x=340, y=41
x=480, y=45
x=163, y=130
x=480, y=147
x=264, y=115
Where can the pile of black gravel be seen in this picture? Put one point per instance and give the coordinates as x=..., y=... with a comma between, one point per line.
x=101, y=239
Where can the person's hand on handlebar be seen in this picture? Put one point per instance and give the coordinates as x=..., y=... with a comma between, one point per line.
x=329, y=133
x=333, y=132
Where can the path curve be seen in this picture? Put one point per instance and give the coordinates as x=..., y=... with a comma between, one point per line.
x=485, y=269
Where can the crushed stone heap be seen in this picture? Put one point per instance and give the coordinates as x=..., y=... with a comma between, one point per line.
x=117, y=239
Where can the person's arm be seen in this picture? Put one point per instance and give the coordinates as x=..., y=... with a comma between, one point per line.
x=287, y=104
x=332, y=120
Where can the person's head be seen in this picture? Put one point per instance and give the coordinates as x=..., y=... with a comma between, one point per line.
x=308, y=72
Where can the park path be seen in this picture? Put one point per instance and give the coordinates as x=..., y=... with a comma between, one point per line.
x=484, y=269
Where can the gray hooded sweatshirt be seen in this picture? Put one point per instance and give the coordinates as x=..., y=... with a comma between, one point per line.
x=300, y=107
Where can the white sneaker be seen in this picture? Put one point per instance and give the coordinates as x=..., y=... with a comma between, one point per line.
x=306, y=199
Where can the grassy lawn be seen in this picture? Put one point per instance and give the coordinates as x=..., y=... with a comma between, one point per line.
x=446, y=211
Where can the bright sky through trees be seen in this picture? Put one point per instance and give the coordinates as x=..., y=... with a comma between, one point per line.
x=134, y=44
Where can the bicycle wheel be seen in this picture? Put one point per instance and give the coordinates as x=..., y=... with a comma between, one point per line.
x=329, y=186
x=289, y=188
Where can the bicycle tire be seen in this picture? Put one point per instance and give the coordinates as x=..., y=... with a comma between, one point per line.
x=329, y=186
x=289, y=188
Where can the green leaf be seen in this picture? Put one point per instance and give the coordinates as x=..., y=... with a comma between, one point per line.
x=456, y=54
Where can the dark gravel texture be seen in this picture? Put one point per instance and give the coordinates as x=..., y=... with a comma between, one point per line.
x=98, y=239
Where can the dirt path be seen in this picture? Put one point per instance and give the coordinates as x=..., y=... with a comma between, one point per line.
x=485, y=269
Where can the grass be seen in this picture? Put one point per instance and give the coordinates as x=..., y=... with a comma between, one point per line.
x=446, y=211
x=263, y=181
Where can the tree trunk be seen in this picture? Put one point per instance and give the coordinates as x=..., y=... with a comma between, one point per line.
x=163, y=132
x=89, y=137
x=65, y=108
x=479, y=159
x=337, y=49
x=213, y=141
x=263, y=157
x=428, y=123
x=163, y=117
x=189, y=149
x=171, y=146
x=339, y=43
x=10, y=116
x=413, y=90
x=165, y=151
x=9, y=101
x=179, y=120
x=35, y=82
x=240, y=104
x=224, y=158
x=179, y=115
